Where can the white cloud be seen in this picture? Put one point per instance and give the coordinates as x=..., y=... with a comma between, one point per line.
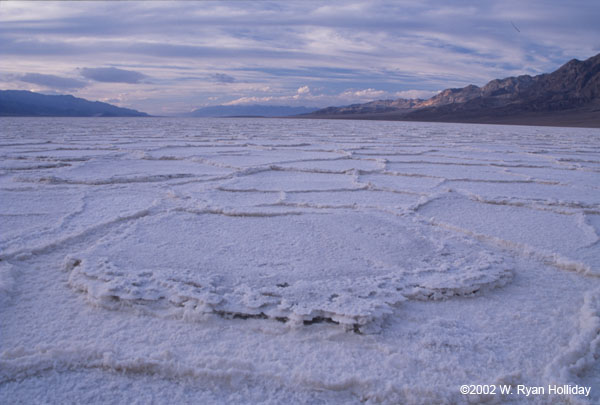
x=304, y=90
x=304, y=96
x=250, y=100
x=370, y=94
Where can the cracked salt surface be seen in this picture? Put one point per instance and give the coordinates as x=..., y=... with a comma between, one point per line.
x=350, y=268
x=251, y=260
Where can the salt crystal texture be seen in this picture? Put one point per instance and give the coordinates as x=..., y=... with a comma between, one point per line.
x=253, y=260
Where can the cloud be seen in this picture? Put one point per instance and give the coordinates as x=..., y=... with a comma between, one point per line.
x=223, y=78
x=252, y=100
x=342, y=51
x=366, y=93
x=304, y=90
x=304, y=96
x=52, y=81
x=112, y=75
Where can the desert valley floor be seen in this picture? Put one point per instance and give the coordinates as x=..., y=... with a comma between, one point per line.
x=156, y=260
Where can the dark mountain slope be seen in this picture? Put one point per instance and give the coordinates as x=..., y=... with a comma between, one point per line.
x=27, y=103
x=573, y=89
x=569, y=96
x=373, y=107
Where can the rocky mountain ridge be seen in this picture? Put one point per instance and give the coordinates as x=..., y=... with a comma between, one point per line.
x=568, y=96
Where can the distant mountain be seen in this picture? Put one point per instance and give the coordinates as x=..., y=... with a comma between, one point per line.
x=249, y=111
x=30, y=104
x=373, y=107
x=569, y=96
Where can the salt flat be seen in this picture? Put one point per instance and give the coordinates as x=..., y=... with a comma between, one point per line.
x=298, y=261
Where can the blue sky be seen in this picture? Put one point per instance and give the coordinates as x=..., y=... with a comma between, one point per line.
x=169, y=57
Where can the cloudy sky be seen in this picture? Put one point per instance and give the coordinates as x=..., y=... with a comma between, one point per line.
x=169, y=57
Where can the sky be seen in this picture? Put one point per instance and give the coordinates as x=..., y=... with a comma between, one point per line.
x=172, y=57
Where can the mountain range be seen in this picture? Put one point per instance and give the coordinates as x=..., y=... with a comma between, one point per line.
x=569, y=96
x=253, y=110
x=30, y=104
